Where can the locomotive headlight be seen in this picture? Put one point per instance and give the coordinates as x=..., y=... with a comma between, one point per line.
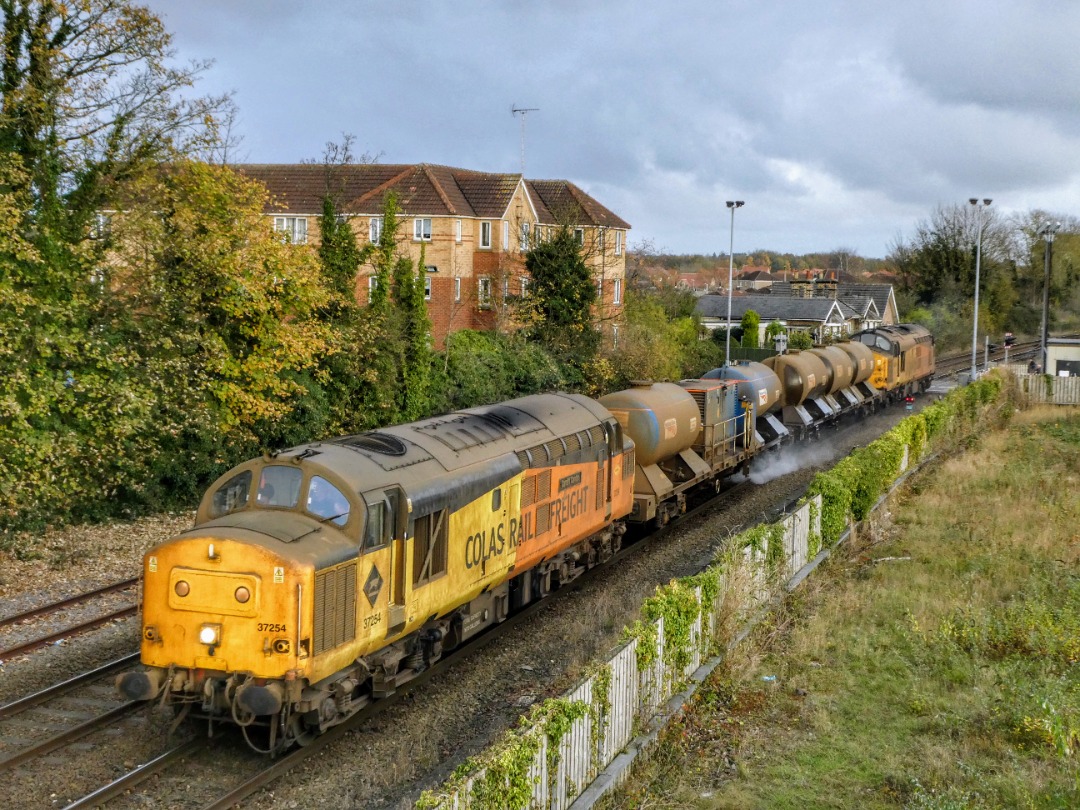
x=210, y=634
x=242, y=594
x=182, y=588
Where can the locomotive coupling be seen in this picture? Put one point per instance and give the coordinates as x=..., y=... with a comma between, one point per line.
x=143, y=685
x=265, y=699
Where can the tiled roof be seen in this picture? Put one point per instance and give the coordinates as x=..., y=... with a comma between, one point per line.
x=773, y=307
x=560, y=201
x=422, y=188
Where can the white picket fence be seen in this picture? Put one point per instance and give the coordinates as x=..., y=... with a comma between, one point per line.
x=636, y=698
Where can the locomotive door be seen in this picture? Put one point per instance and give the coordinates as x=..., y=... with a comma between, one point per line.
x=398, y=561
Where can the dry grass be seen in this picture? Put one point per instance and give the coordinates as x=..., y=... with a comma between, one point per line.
x=934, y=664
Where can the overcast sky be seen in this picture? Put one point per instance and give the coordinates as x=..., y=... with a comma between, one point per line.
x=840, y=123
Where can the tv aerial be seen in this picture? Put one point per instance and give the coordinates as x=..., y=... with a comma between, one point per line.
x=522, y=111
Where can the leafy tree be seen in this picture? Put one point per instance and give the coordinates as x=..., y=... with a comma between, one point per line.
x=751, y=326
x=800, y=340
x=561, y=293
x=87, y=102
x=226, y=313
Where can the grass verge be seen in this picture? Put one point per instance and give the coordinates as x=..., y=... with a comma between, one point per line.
x=933, y=663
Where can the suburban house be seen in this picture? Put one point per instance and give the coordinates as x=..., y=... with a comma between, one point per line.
x=849, y=292
x=822, y=318
x=472, y=227
x=753, y=278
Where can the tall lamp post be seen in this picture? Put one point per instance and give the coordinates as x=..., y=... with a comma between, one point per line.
x=732, y=204
x=979, y=206
x=1047, y=232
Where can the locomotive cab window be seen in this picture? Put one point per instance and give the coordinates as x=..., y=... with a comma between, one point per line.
x=327, y=502
x=375, y=531
x=279, y=486
x=232, y=495
x=496, y=499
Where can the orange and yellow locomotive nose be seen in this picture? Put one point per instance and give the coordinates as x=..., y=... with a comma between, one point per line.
x=220, y=605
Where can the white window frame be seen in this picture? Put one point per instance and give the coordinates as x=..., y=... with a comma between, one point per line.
x=457, y=288
x=616, y=295
x=618, y=243
x=457, y=230
x=483, y=292
x=524, y=286
x=614, y=336
x=427, y=288
x=505, y=235
x=293, y=228
x=579, y=236
x=422, y=229
x=506, y=288
x=372, y=283
x=485, y=235
x=523, y=240
x=375, y=226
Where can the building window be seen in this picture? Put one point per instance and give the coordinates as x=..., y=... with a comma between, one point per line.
x=618, y=243
x=524, y=236
x=427, y=288
x=614, y=336
x=457, y=231
x=600, y=240
x=617, y=291
x=579, y=235
x=485, y=234
x=372, y=283
x=375, y=229
x=457, y=289
x=600, y=291
x=422, y=229
x=294, y=229
x=506, y=235
x=524, y=287
x=506, y=288
x=483, y=292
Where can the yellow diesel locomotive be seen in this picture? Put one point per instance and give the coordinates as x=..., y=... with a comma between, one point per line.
x=324, y=576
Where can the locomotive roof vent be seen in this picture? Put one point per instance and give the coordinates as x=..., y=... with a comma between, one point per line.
x=377, y=443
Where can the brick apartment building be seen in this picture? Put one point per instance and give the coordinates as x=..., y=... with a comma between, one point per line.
x=474, y=228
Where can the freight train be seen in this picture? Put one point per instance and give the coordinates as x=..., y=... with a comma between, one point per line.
x=320, y=578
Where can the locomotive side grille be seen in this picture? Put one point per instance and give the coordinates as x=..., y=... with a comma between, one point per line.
x=596, y=434
x=554, y=449
x=528, y=491
x=543, y=485
x=523, y=458
x=600, y=488
x=628, y=465
x=573, y=443
x=543, y=518
x=699, y=398
x=334, y=616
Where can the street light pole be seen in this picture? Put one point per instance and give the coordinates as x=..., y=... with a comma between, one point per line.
x=732, y=204
x=1047, y=232
x=978, y=258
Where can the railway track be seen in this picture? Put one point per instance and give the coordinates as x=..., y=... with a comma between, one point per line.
x=41, y=723
x=80, y=626
x=1017, y=353
x=227, y=773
